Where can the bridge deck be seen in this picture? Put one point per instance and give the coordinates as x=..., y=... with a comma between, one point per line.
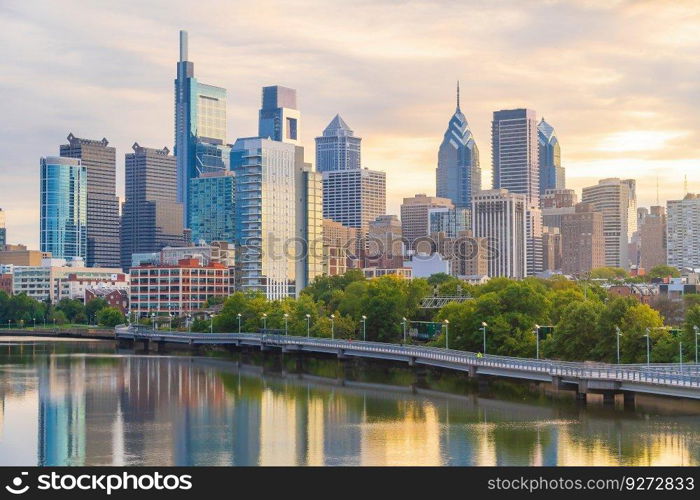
x=662, y=379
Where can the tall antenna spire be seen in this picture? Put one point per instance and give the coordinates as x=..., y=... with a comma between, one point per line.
x=183, y=45
x=457, y=94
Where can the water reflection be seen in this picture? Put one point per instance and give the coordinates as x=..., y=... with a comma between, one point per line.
x=69, y=404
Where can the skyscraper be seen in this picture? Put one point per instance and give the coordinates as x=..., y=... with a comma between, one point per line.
x=100, y=163
x=683, y=232
x=64, y=205
x=652, y=236
x=415, y=217
x=354, y=197
x=515, y=153
x=200, y=127
x=280, y=119
x=212, y=207
x=3, y=231
x=500, y=216
x=616, y=200
x=151, y=216
x=551, y=171
x=582, y=240
x=458, y=172
x=337, y=148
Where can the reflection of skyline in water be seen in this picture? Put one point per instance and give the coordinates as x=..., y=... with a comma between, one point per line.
x=64, y=409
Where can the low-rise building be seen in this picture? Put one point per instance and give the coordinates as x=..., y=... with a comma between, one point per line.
x=115, y=297
x=376, y=272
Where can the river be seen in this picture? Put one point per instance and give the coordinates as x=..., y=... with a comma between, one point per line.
x=85, y=403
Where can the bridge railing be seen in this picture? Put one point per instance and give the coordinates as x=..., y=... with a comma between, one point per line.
x=668, y=374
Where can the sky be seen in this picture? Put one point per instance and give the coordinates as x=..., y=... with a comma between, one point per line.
x=617, y=79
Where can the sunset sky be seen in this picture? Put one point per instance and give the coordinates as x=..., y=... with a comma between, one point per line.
x=617, y=79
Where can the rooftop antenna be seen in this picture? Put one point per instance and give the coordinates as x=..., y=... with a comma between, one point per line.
x=457, y=94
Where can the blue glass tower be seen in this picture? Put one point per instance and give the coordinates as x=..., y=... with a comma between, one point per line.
x=212, y=202
x=458, y=172
x=551, y=172
x=63, y=207
x=338, y=148
x=200, y=127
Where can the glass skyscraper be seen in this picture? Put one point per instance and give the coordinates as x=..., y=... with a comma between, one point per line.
x=200, y=127
x=338, y=148
x=212, y=207
x=3, y=231
x=458, y=173
x=280, y=119
x=515, y=153
x=63, y=207
x=551, y=171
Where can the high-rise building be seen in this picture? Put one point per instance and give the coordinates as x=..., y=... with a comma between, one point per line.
x=278, y=223
x=534, y=230
x=555, y=203
x=652, y=236
x=338, y=148
x=450, y=221
x=151, y=216
x=500, y=216
x=354, y=197
x=3, y=231
x=551, y=249
x=212, y=207
x=552, y=175
x=415, y=217
x=515, y=153
x=64, y=206
x=683, y=232
x=200, y=127
x=384, y=242
x=616, y=200
x=339, y=247
x=280, y=119
x=100, y=162
x=582, y=240
x=458, y=173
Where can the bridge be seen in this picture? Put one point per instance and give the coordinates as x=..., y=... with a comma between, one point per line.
x=677, y=380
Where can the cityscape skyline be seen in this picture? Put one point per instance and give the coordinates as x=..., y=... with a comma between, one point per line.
x=605, y=129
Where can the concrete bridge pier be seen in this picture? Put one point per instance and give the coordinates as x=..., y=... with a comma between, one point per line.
x=420, y=373
x=161, y=346
x=581, y=398
x=125, y=343
x=608, y=398
x=472, y=371
x=629, y=400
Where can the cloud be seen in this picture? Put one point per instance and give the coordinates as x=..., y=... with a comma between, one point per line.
x=617, y=79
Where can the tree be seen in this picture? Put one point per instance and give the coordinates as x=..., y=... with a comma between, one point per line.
x=73, y=309
x=94, y=306
x=110, y=317
x=663, y=271
x=439, y=278
x=609, y=273
x=575, y=334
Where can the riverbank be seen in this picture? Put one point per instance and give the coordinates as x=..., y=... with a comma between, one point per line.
x=58, y=333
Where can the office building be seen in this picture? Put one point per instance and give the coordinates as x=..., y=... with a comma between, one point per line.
x=212, y=207
x=534, y=230
x=339, y=247
x=151, y=216
x=500, y=217
x=18, y=255
x=385, y=246
x=354, y=197
x=63, y=207
x=338, y=148
x=652, y=238
x=551, y=249
x=552, y=174
x=683, y=232
x=515, y=150
x=100, y=163
x=309, y=222
x=450, y=221
x=468, y=256
x=582, y=240
x=616, y=200
x=3, y=230
x=555, y=203
x=177, y=289
x=415, y=218
x=200, y=127
x=279, y=118
x=458, y=173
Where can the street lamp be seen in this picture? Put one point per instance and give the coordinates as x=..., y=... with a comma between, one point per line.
x=308, y=319
x=153, y=318
x=364, y=327
x=239, y=322
x=211, y=323
x=404, y=329
x=537, y=341
x=332, y=326
x=483, y=329
x=170, y=321
x=618, y=334
x=286, y=325
x=264, y=318
x=447, y=334
x=680, y=354
x=648, y=336
x=34, y=320
x=189, y=323
x=697, y=334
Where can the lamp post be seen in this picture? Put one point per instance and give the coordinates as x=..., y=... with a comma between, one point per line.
x=697, y=334
x=447, y=334
x=537, y=341
x=153, y=320
x=239, y=322
x=680, y=355
x=286, y=324
x=648, y=336
x=264, y=318
x=696, y=347
x=189, y=324
x=618, y=334
x=333, y=326
x=308, y=323
x=170, y=321
x=211, y=323
x=483, y=329
x=364, y=327
x=404, y=329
